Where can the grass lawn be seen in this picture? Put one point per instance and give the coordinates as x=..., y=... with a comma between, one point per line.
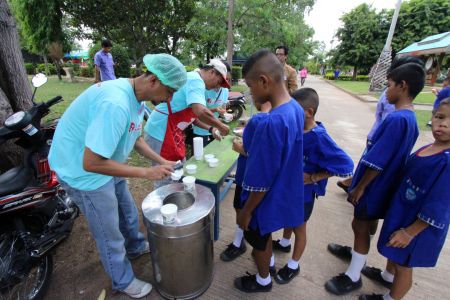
x=54, y=87
x=362, y=88
x=423, y=116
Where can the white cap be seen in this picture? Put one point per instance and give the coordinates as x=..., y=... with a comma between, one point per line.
x=222, y=69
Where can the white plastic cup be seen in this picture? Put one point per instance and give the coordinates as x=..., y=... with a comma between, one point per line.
x=169, y=212
x=228, y=117
x=176, y=175
x=208, y=157
x=213, y=162
x=189, y=183
x=191, y=169
x=198, y=148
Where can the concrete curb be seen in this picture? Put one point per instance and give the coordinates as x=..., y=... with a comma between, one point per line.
x=418, y=106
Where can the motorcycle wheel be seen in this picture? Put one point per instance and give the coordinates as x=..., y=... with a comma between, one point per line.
x=33, y=284
x=236, y=111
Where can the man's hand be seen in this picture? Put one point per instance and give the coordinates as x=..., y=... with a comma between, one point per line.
x=158, y=172
x=243, y=219
x=221, y=110
x=355, y=194
x=399, y=239
x=216, y=134
x=224, y=130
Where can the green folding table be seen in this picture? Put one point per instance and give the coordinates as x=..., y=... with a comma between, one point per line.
x=214, y=178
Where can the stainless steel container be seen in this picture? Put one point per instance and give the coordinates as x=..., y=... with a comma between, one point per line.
x=182, y=251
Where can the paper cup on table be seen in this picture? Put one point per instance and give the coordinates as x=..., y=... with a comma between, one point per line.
x=208, y=157
x=169, y=212
x=198, y=148
x=213, y=162
x=189, y=183
x=191, y=169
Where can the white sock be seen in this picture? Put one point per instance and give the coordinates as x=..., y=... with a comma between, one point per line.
x=239, y=234
x=356, y=265
x=285, y=242
x=387, y=297
x=386, y=275
x=371, y=236
x=272, y=261
x=293, y=264
x=263, y=281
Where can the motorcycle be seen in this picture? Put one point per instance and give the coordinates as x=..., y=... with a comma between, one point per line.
x=35, y=212
x=236, y=104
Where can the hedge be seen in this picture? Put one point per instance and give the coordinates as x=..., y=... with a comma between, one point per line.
x=236, y=73
x=347, y=77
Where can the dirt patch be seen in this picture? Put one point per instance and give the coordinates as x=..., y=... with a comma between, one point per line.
x=78, y=272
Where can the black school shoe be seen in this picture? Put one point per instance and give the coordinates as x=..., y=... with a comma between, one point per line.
x=286, y=274
x=232, y=252
x=375, y=274
x=371, y=297
x=272, y=271
x=343, y=252
x=277, y=246
x=248, y=284
x=342, y=284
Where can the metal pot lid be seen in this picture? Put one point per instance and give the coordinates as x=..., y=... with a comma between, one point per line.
x=202, y=205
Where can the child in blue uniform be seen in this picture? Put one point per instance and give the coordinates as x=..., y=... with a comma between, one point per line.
x=272, y=186
x=416, y=224
x=322, y=158
x=238, y=247
x=379, y=169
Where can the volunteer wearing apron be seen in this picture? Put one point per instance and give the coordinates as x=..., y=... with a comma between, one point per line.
x=165, y=126
x=89, y=154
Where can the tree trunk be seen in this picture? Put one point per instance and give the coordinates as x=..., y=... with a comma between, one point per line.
x=47, y=68
x=15, y=91
x=230, y=43
x=355, y=72
x=58, y=68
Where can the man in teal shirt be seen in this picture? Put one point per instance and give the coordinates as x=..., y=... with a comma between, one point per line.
x=164, y=128
x=91, y=144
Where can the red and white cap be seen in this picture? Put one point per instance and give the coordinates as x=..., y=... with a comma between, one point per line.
x=222, y=69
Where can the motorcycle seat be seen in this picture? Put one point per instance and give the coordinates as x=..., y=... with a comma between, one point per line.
x=14, y=180
x=235, y=98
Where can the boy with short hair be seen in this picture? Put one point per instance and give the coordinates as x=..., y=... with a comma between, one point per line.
x=272, y=185
x=322, y=158
x=379, y=169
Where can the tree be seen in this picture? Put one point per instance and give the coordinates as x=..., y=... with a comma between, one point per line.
x=361, y=37
x=142, y=25
x=256, y=24
x=15, y=91
x=41, y=28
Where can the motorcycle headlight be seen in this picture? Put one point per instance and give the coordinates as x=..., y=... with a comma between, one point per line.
x=14, y=119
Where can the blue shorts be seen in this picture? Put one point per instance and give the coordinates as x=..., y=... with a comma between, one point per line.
x=308, y=210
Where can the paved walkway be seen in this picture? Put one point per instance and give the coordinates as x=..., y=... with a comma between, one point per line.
x=348, y=120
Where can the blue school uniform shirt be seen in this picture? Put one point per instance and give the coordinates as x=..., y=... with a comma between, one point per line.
x=387, y=153
x=192, y=92
x=247, y=138
x=320, y=153
x=275, y=166
x=214, y=99
x=423, y=193
x=106, y=118
x=444, y=93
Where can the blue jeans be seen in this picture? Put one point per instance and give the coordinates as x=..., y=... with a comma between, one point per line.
x=113, y=220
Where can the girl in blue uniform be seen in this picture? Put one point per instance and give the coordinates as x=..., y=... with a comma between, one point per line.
x=238, y=247
x=416, y=224
x=274, y=167
x=322, y=158
x=380, y=168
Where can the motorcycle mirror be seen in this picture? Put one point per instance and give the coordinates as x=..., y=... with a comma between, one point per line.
x=39, y=80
